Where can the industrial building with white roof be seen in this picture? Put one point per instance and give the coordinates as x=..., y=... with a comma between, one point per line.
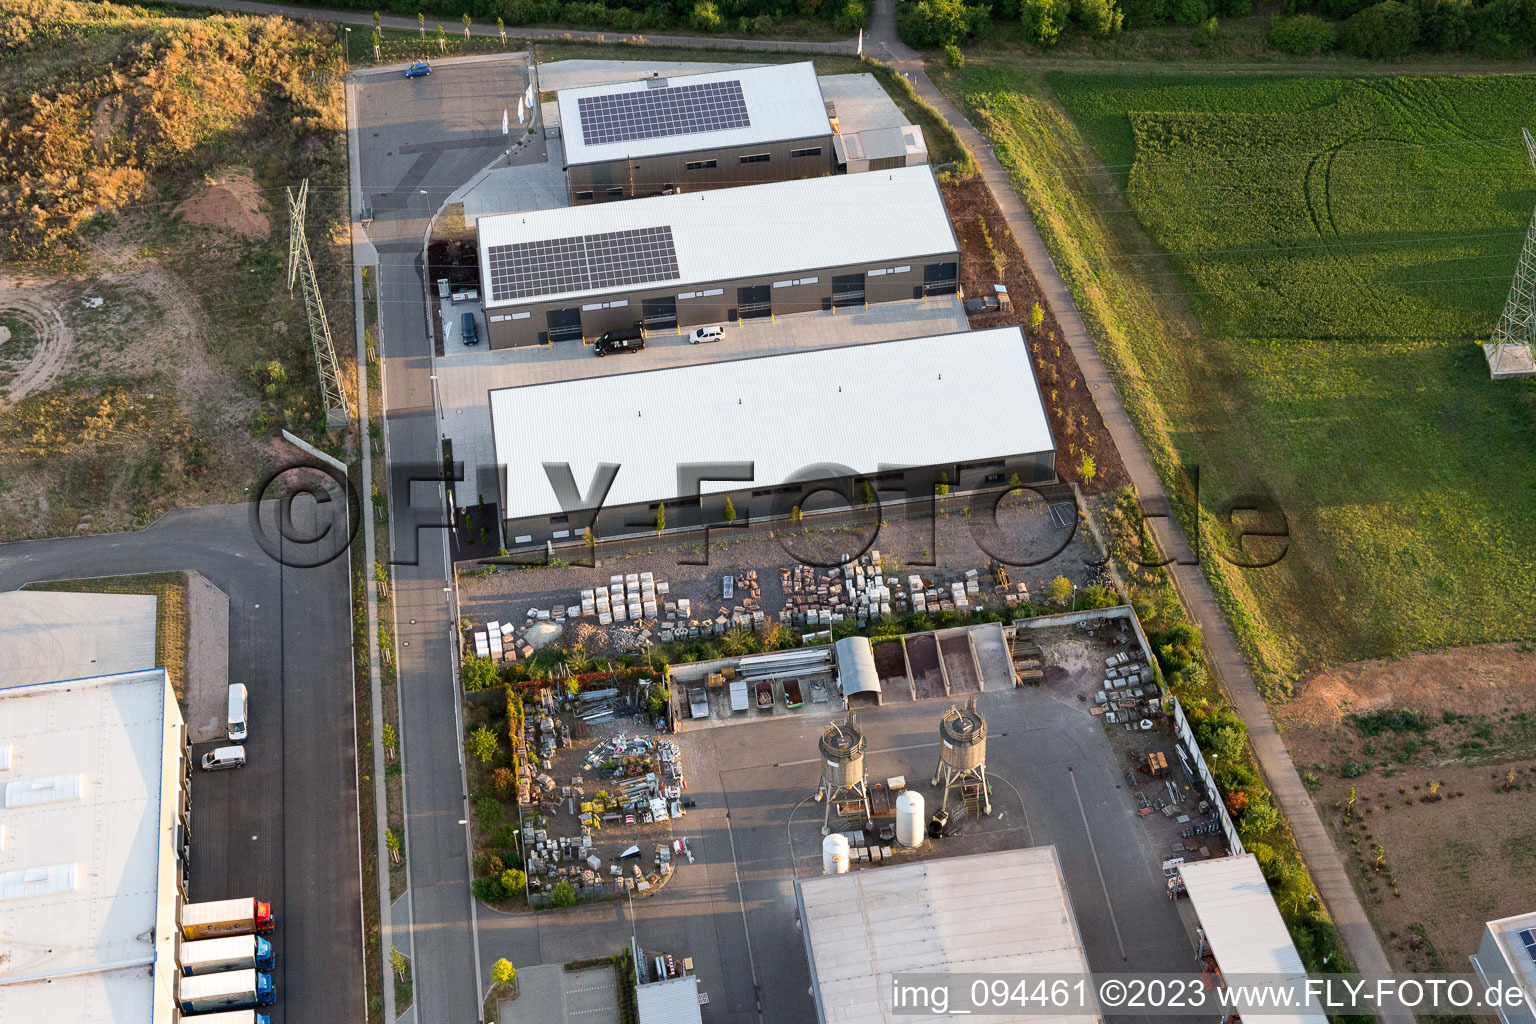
x=92, y=844
x=713, y=257
x=1507, y=956
x=693, y=132
x=791, y=425
x=998, y=913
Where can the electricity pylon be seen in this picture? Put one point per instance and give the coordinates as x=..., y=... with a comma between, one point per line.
x=1512, y=351
x=338, y=413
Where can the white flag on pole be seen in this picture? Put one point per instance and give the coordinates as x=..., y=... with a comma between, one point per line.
x=505, y=128
x=520, y=114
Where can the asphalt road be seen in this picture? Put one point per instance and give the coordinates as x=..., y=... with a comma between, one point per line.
x=419, y=140
x=284, y=827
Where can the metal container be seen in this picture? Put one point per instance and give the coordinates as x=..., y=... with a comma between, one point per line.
x=834, y=854
x=910, y=810
x=842, y=755
x=963, y=737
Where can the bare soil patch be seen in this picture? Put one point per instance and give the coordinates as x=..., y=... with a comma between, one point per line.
x=1439, y=751
x=1075, y=420
x=232, y=203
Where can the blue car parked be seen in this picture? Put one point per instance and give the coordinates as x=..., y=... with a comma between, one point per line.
x=420, y=69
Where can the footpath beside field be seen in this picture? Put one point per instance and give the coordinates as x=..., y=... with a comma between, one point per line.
x=1323, y=862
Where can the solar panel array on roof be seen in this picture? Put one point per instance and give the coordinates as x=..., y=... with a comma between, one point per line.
x=613, y=259
x=1528, y=936
x=659, y=112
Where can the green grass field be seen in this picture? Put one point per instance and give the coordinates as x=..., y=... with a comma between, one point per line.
x=1287, y=276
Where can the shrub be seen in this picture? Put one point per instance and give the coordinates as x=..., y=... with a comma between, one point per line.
x=478, y=673
x=1444, y=24
x=563, y=894
x=489, y=890
x=1388, y=30
x=852, y=18
x=512, y=882
x=482, y=744
x=1190, y=12
x=705, y=17
x=931, y=24
x=1302, y=34
x=505, y=782
x=505, y=837
x=1145, y=13
x=1044, y=20
x=488, y=813
x=1383, y=720
x=1098, y=17
x=502, y=972
x=955, y=59
x=1203, y=34
x=1059, y=590
x=1505, y=28
x=728, y=513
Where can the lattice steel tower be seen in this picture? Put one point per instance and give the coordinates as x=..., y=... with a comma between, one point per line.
x=1512, y=351
x=338, y=413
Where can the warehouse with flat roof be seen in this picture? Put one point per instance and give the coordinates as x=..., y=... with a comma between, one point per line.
x=693, y=132
x=996, y=914
x=770, y=433
x=47, y=635
x=93, y=840
x=715, y=257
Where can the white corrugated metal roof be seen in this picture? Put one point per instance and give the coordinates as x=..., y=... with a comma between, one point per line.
x=674, y=1001
x=754, y=231
x=87, y=903
x=783, y=102
x=856, y=666
x=47, y=635
x=846, y=406
x=992, y=913
x=1243, y=926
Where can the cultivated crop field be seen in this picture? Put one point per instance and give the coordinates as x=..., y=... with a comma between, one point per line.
x=1288, y=275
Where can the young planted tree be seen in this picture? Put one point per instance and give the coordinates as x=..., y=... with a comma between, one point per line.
x=465, y=18
x=390, y=741
x=1059, y=590
x=729, y=512
x=1087, y=468
x=661, y=518
x=501, y=28
x=1036, y=315
x=482, y=744
x=421, y=24
x=442, y=40
x=392, y=843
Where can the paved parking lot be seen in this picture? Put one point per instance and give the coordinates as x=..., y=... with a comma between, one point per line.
x=465, y=375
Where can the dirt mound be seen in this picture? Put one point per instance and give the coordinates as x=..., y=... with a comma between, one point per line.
x=1467, y=680
x=233, y=203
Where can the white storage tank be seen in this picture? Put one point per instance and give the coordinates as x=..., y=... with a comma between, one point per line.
x=834, y=854
x=909, y=819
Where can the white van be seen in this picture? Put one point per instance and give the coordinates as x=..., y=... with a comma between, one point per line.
x=239, y=712
x=224, y=757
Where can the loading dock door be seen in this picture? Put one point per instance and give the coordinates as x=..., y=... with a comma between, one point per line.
x=564, y=324
x=754, y=301
x=657, y=314
x=940, y=278
x=847, y=289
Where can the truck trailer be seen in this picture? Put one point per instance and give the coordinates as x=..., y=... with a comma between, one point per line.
x=225, y=917
x=231, y=990
x=233, y=1017
x=231, y=953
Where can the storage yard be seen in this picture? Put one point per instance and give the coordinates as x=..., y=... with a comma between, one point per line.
x=534, y=608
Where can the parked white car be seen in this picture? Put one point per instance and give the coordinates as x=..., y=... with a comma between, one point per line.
x=701, y=335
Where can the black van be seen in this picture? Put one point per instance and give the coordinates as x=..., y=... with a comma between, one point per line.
x=625, y=339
